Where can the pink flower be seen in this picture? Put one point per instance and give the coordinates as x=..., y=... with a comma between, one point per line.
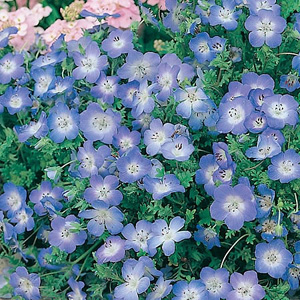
x=161, y=3
x=73, y=30
x=25, y=20
x=128, y=11
x=32, y=3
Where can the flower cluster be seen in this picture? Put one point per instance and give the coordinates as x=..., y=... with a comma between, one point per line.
x=132, y=171
x=26, y=21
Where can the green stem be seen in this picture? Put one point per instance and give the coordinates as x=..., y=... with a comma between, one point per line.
x=297, y=203
x=229, y=250
x=248, y=169
x=86, y=253
x=287, y=53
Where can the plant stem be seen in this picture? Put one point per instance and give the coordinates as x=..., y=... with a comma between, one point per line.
x=248, y=169
x=229, y=250
x=287, y=53
x=86, y=253
x=297, y=203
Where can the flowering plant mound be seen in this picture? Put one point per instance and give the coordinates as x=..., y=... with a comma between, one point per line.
x=156, y=162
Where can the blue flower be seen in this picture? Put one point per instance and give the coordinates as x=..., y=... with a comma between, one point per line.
x=112, y=250
x=44, y=259
x=160, y=188
x=10, y=67
x=25, y=285
x=49, y=59
x=126, y=93
x=137, y=237
x=91, y=159
x=266, y=147
x=16, y=99
x=224, y=15
x=271, y=228
x=204, y=175
x=233, y=115
x=256, y=122
x=63, y=123
x=90, y=64
x=207, y=236
x=280, y=110
x=76, y=287
x=98, y=125
x=264, y=202
x=23, y=220
x=245, y=286
x=179, y=149
x=166, y=235
x=257, y=5
x=104, y=189
x=46, y=191
x=193, y=290
x=135, y=281
x=157, y=135
x=101, y=217
x=118, y=42
x=139, y=66
x=289, y=82
x=192, y=99
x=37, y=129
x=256, y=81
x=106, y=88
x=233, y=205
x=5, y=35
x=166, y=81
x=272, y=258
x=65, y=235
x=133, y=166
x=161, y=290
x=216, y=283
x=125, y=139
x=265, y=27
x=13, y=199
x=285, y=166
x=292, y=275
x=201, y=47
x=44, y=80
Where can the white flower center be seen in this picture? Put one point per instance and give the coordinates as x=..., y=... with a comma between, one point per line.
x=15, y=101
x=64, y=122
x=272, y=257
x=265, y=27
x=236, y=115
x=25, y=285
x=14, y=201
x=234, y=204
x=213, y=285
x=133, y=168
x=101, y=122
x=225, y=14
x=89, y=64
x=117, y=42
x=203, y=47
x=286, y=167
x=103, y=192
x=8, y=66
x=111, y=249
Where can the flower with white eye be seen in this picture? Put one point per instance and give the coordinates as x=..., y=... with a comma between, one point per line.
x=233, y=205
x=272, y=258
x=166, y=235
x=216, y=282
x=245, y=287
x=285, y=166
x=63, y=123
